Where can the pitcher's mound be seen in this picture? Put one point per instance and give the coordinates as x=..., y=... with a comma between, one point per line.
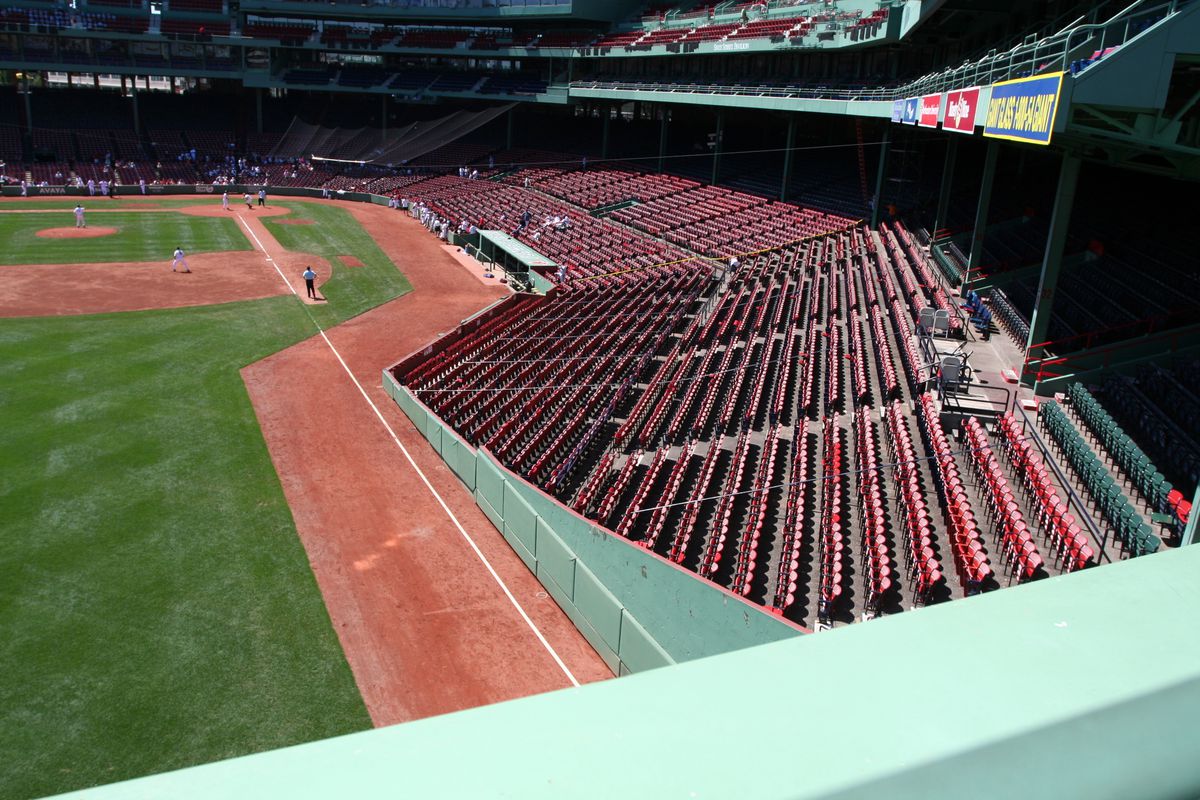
x=76, y=233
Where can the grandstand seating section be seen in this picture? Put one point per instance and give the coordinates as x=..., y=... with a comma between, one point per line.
x=1109, y=497
x=765, y=424
x=690, y=445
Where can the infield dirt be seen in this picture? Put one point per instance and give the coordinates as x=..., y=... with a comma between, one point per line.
x=64, y=289
x=76, y=233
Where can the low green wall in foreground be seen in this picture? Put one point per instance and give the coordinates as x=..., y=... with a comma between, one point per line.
x=637, y=610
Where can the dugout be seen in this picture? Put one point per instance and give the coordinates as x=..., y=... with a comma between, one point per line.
x=520, y=262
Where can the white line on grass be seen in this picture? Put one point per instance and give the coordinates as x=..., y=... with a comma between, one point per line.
x=487, y=564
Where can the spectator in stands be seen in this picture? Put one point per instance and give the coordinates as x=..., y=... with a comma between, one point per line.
x=142, y=186
x=474, y=174
x=91, y=184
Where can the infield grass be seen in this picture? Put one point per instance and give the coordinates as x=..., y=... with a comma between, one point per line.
x=123, y=201
x=156, y=605
x=141, y=237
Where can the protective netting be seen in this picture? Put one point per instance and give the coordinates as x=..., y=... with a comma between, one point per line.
x=382, y=147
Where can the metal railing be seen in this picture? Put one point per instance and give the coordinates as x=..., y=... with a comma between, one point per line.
x=1047, y=54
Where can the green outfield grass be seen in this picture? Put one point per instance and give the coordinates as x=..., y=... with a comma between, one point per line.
x=142, y=237
x=156, y=606
x=334, y=233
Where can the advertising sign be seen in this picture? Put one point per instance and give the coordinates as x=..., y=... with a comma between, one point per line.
x=961, y=108
x=931, y=106
x=897, y=110
x=1024, y=110
x=911, y=106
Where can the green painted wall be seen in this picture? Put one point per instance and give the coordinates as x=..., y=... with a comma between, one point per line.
x=1080, y=686
x=637, y=610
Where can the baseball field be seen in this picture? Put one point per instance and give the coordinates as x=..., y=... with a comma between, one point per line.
x=156, y=605
x=218, y=535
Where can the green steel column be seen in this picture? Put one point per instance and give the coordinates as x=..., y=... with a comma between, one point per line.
x=787, y=157
x=508, y=134
x=716, y=170
x=604, y=131
x=29, y=107
x=258, y=110
x=662, y=138
x=137, y=117
x=1056, y=242
x=383, y=112
x=883, y=154
x=1191, y=533
x=947, y=185
x=981, y=212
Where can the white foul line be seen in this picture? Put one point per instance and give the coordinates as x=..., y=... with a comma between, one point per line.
x=487, y=564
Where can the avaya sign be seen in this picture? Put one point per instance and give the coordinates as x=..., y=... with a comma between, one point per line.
x=927, y=115
x=961, y=109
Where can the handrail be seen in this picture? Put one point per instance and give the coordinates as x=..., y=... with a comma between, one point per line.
x=1084, y=515
x=996, y=66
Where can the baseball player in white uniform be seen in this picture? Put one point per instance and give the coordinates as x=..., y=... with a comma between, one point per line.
x=79, y=220
x=225, y=200
x=177, y=260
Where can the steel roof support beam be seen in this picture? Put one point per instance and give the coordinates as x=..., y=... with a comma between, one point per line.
x=1056, y=242
x=981, y=212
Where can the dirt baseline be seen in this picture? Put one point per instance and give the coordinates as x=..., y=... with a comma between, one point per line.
x=424, y=626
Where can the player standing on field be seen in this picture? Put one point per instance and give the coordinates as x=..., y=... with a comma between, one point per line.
x=79, y=221
x=225, y=200
x=177, y=260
